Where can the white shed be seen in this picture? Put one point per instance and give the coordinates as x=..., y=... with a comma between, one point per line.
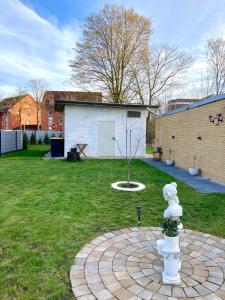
x=105, y=128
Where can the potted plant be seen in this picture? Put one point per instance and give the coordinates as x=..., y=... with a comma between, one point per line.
x=170, y=228
x=170, y=162
x=194, y=171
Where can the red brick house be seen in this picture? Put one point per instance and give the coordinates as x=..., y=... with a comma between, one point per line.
x=18, y=112
x=52, y=120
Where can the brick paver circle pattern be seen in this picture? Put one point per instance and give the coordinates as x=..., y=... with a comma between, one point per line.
x=125, y=264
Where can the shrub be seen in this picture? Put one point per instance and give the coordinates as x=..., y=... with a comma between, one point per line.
x=53, y=135
x=46, y=139
x=40, y=141
x=170, y=227
x=33, y=140
x=25, y=141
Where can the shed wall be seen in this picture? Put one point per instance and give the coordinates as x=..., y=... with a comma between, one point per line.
x=81, y=126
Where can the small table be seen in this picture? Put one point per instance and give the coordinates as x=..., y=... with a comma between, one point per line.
x=81, y=147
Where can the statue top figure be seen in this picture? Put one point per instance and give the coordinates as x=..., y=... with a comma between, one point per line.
x=174, y=210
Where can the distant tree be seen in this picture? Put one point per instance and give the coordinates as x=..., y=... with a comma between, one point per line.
x=40, y=141
x=25, y=141
x=112, y=43
x=46, y=139
x=33, y=140
x=215, y=78
x=160, y=70
x=38, y=87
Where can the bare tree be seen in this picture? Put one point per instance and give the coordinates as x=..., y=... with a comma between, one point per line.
x=215, y=77
x=38, y=88
x=113, y=41
x=161, y=71
x=18, y=94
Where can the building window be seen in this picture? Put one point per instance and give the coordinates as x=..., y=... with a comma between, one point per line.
x=133, y=114
x=50, y=118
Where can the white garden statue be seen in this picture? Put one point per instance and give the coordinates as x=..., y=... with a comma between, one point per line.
x=174, y=210
x=169, y=247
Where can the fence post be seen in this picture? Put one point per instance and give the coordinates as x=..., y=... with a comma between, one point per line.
x=16, y=140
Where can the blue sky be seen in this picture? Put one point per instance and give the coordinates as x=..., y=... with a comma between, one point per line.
x=37, y=36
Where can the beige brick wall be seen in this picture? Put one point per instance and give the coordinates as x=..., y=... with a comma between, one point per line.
x=186, y=126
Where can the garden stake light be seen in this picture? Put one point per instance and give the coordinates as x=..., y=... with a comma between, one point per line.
x=139, y=215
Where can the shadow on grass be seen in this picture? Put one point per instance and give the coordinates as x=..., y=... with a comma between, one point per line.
x=32, y=152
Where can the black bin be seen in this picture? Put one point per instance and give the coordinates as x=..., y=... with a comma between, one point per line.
x=57, y=147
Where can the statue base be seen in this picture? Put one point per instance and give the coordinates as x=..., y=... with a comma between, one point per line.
x=175, y=280
x=169, y=249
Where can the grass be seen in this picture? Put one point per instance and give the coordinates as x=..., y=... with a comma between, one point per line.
x=50, y=209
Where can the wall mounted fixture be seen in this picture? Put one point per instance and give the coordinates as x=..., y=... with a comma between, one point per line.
x=199, y=138
x=173, y=137
x=217, y=119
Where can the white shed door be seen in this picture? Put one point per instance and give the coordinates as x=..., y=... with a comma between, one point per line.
x=106, y=138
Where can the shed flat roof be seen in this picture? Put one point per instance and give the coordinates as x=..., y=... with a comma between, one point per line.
x=59, y=104
x=199, y=103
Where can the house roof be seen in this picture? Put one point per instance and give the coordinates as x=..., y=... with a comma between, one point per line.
x=203, y=101
x=59, y=104
x=7, y=103
x=73, y=95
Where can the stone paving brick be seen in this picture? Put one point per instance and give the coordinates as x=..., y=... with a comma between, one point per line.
x=203, y=291
x=189, y=281
x=215, y=280
x=178, y=292
x=190, y=292
x=126, y=282
x=93, y=279
x=136, y=275
x=103, y=295
x=154, y=287
x=157, y=296
x=135, y=289
x=123, y=294
x=165, y=290
x=77, y=282
x=198, y=278
x=143, y=281
x=81, y=290
x=211, y=286
x=146, y=295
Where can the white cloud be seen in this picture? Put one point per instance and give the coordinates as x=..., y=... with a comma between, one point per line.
x=32, y=47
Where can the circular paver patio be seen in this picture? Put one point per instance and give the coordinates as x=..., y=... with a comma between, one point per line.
x=124, y=264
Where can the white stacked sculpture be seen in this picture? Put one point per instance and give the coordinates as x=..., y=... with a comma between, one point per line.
x=169, y=248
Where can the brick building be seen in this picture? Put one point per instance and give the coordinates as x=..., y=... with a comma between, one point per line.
x=176, y=103
x=195, y=131
x=52, y=120
x=18, y=112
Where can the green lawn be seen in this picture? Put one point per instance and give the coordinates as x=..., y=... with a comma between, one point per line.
x=49, y=209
